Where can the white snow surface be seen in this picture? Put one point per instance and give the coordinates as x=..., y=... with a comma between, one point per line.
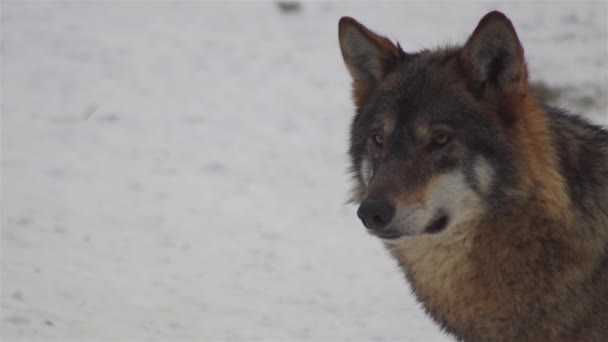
x=177, y=170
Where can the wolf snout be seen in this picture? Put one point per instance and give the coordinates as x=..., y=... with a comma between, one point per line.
x=376, y=214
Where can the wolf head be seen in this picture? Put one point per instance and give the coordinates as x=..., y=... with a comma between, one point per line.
x=431, y=142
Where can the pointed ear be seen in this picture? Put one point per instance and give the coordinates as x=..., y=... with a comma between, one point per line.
x=493, y=58
x=368, y=56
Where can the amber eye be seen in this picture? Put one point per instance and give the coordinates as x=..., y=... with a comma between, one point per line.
x=441, y=140
x=378, y=139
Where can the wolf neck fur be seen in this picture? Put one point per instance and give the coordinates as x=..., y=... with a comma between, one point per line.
x=462, y=276
x=472, y=272
x=537, y=163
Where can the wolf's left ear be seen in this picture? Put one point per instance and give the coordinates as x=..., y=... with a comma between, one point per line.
x=493, y=58
x=367, y=55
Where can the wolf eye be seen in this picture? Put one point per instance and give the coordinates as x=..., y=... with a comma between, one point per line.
x=378, y=139
x=441, y=140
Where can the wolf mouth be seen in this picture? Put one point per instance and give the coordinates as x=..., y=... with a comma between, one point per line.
x=438, y=225
x=388, y=235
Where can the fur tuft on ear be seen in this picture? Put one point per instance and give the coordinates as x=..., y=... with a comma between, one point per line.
x=493, y=57
x=367, y=55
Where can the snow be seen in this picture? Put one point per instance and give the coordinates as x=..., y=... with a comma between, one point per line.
x=177, y=170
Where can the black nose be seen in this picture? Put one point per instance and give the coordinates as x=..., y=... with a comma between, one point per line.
x=376, y=214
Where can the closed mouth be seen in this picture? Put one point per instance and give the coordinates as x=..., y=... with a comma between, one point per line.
x=386, y=235
x=437, y=225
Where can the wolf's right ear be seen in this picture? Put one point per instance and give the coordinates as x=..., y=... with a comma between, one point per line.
x=368, y=56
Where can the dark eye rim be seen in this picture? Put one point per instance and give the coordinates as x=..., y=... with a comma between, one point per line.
x=377, y=138
x=441, y=139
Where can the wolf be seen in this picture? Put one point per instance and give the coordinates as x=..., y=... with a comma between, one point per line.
x=494, y=204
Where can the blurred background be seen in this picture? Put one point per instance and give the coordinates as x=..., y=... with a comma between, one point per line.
x=177, y=170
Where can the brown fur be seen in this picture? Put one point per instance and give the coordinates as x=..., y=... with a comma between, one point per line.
x=387, y=55
x=538, y=269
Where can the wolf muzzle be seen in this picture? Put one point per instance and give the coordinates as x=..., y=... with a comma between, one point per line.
x=376, y=214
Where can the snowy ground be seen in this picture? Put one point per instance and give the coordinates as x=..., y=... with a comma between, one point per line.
x=176, y=171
